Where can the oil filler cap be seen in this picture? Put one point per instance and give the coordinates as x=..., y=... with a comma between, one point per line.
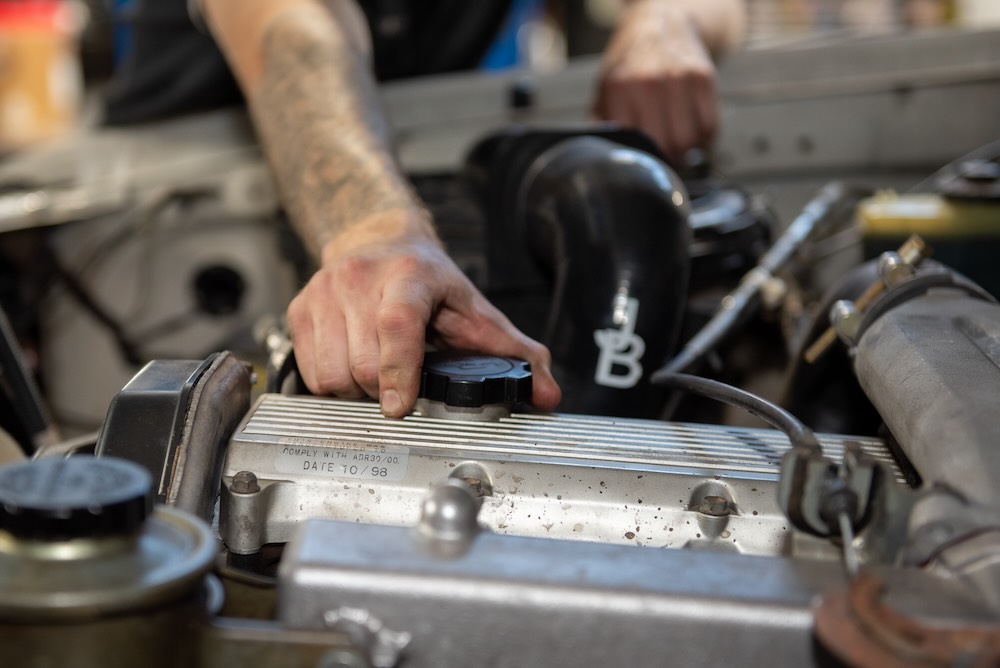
x=468, y=380
x=79, y=497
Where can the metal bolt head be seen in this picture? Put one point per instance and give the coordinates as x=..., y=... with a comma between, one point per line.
x=244, y=482
x=475, y=484
x=716, y=506
x=383, y=646
x=846, y=320
x=450, y=511
x=893, y=269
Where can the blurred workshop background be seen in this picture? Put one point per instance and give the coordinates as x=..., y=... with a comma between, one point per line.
x=49, y=48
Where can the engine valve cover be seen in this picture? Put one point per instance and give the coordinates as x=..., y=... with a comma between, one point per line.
x=609, y=480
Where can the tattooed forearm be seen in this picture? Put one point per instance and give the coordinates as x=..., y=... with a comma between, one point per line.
x=319, y=118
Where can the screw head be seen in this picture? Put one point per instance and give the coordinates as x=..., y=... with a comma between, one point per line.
x=244, y=482
x=893, y=269
x=475, y=484
x=846, y=320
x=716, y=506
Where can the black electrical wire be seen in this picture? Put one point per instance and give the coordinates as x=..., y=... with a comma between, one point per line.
x=798, y=433
x=129, y=349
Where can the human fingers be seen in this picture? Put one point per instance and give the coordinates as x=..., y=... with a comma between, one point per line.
x=613, y=103
x=653, y=108
x=319, y=338
x=666, y=105
x=357, y=284
x=301, y=332
x=545, y=392
x=706, y=108
x=676, y=95
x=401, y=325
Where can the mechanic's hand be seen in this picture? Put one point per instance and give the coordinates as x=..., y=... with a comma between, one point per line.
x=657, y=76
x=359, y=325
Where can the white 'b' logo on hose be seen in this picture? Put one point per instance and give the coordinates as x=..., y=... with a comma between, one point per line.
x=621, y=348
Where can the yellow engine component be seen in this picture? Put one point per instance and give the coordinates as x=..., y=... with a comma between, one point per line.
x=964, y=232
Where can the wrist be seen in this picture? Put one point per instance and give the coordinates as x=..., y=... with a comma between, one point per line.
x=410, y=225
x=718, y=24
x=673, y=12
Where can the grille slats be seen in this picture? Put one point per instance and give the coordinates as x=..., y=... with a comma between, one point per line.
x=638, y=442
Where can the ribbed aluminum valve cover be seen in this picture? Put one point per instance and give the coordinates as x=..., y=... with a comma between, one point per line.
x=561, y=476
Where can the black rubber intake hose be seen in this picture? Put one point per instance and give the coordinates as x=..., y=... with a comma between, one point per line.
x=609, y=225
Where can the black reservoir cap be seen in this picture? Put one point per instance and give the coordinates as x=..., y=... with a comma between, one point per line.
x=467, y=380
x=78, y=497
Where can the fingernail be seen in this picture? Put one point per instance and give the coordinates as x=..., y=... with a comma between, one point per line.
x=392, y=405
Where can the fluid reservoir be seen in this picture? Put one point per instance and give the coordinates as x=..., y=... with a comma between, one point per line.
x=91, y=574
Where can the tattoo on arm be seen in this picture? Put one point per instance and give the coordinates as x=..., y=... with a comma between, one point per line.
x=319, y=117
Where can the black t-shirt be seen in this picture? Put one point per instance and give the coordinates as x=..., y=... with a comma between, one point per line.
x=174, y=67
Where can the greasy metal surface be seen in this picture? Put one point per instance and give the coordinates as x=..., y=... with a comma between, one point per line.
x=860, y=629
x=559, y=476
x=976, y=560
x=932, y=368
x=512, y=601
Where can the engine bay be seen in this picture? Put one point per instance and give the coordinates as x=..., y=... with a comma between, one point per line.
x=777, y=446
